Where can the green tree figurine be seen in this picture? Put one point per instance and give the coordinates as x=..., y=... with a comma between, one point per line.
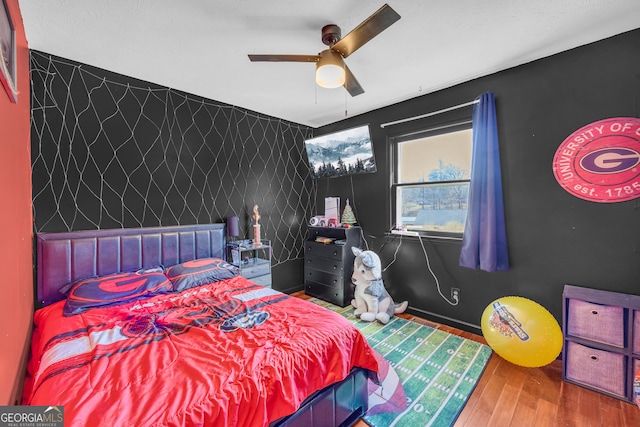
x=347, y=215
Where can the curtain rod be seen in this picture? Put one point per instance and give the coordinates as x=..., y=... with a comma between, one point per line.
x=444, y=110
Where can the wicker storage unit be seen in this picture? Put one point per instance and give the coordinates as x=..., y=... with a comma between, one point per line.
x=601, y=340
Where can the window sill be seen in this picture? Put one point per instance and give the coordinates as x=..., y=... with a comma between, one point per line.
x=424, y=234
x=405, y=233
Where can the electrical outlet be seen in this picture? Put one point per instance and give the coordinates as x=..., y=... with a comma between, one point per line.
x=455, y=294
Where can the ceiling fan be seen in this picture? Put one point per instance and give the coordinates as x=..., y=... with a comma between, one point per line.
x=331, y=71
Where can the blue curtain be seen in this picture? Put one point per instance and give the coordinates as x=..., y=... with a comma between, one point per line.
x=484, y=243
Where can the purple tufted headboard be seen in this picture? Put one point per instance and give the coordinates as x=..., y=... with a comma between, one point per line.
x=65, y=257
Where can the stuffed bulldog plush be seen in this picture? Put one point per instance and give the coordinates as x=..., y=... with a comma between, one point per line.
x=371, y=299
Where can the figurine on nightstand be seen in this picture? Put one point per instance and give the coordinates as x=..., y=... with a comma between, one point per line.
x=256, y=226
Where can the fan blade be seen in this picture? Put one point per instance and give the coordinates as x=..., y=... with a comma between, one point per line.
x=351, y=84
x=368, y=29
x=284, y=58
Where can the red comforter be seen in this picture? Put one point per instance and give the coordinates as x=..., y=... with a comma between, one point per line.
x=230, y=353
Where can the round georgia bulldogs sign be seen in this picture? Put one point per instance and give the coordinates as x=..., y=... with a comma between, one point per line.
x=600, y=162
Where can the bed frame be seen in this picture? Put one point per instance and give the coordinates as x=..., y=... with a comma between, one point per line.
x=68, y=256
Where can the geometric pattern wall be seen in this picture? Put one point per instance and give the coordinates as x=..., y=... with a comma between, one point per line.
x=111, y=151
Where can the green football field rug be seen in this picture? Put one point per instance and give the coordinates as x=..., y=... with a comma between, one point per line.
x=437, y=371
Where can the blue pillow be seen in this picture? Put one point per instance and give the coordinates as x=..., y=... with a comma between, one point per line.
x=155, y=269
x=199, y=272
x=114, y=289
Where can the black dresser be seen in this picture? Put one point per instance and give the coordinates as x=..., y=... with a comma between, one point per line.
x=328, y=266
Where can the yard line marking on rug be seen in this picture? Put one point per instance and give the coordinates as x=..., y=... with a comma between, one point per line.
x=432, y=382
x=418, y=346
x=395, y=332
x=462, y=378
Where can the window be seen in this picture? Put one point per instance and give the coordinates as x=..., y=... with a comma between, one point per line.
x=431, y=180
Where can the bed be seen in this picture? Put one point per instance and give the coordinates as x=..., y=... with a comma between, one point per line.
x=150, y=326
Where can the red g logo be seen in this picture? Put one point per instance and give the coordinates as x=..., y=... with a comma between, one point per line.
x=601, y=161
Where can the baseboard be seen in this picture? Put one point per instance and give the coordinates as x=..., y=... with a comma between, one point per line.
x=449, y=321
x=292, y=289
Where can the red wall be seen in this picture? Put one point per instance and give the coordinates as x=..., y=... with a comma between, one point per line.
x=16, y=247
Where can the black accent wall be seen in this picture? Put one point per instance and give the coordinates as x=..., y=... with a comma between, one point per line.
x=554, y=238
x=110, y=151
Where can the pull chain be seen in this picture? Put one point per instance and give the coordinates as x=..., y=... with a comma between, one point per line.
x=346, y=113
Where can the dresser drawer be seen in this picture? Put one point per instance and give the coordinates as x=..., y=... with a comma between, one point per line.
x=332, y=294
x=596, y=322
x=329, y=279
x=320, y=249
x=327, y=264
x=596, y=368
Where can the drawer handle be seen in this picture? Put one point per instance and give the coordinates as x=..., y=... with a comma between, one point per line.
x=593, y=357
x=335, y=253
x=594, y=312
x=335, y=267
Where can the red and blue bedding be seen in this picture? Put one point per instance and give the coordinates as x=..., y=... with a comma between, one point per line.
x=221, y=354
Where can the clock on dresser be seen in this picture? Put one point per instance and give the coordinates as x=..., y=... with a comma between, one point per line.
x=328, y=263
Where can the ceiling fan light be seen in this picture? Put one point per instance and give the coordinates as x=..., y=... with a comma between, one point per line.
x=330, y=76
x=330, y=70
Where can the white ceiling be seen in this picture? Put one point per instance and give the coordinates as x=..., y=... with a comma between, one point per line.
x=201, y=46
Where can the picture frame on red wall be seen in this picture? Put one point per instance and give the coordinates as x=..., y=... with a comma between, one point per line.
x=8, y=73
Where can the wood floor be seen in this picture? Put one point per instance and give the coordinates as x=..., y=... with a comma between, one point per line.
x=510, y=395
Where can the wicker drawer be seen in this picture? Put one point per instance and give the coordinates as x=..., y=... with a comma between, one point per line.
x=599, y=369
x=596, y=322
x=636, y=331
